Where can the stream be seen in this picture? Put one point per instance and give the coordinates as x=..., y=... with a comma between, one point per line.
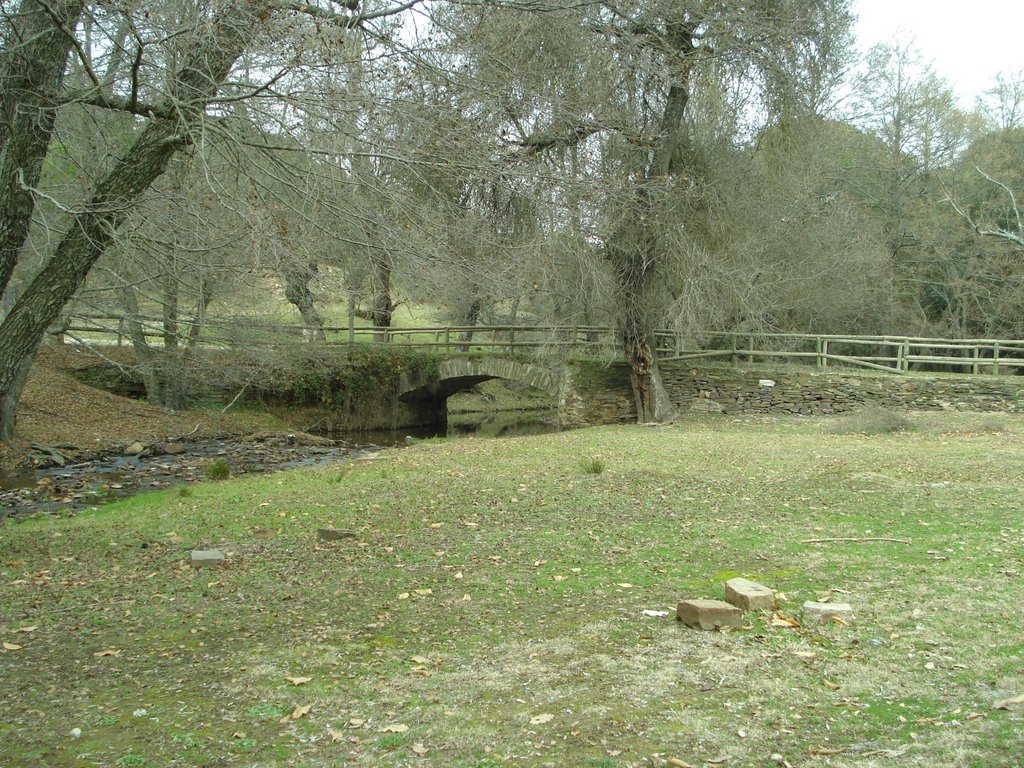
x=65, y=490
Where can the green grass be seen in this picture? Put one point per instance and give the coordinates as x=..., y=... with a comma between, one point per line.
x=492, y=582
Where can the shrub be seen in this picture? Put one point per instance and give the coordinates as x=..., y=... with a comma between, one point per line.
x=218, y=470
x=870, y=420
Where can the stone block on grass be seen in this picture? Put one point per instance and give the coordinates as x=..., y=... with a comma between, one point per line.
x=824, y=613
x=208, y=558
x=748, y=595
x=333, y=534
x=709, y=614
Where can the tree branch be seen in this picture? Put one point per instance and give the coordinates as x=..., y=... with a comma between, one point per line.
x=59, y=24
x=1017, y=238
x=95, y=98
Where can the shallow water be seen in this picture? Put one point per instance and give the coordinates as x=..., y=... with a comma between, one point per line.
x=67, y=489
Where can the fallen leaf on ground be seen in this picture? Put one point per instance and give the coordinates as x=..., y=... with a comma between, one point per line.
x=625, y=585
x=419, y=749
x=656, y=613
x=782, y=621
x=108, y=652
x=419, y=659
x=675, y=761
x=12, y=647
x=541, y=719
x=297, y=680
x=300, y=712
x=336, y=736
x=26, y=629
x=424, y=592
x=394, y=728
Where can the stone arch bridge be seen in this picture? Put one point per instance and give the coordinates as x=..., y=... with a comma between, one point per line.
x=427, y=395
x=422, y=398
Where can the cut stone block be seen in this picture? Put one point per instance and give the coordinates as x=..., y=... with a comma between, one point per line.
x=748, y=595
x=333, y=534
x=709, y=614
x=823, y=613
x=208, y=558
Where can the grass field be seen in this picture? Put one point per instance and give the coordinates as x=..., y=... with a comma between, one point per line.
x=490, y=609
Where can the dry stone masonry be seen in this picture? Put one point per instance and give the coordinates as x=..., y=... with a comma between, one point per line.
x=594, y=393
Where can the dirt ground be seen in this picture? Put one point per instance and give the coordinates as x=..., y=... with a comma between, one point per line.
x=58, y=410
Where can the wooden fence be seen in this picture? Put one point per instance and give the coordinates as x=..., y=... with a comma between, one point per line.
x=893, y=354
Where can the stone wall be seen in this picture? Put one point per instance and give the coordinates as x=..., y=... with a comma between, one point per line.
x=598, y=394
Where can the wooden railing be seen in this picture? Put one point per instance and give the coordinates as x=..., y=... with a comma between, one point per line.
x=893, y=354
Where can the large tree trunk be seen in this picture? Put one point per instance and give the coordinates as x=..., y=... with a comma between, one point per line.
x=633, y=247
x=9, y=397
x=633, y=253
x=381, y=305
x=170, y=310
x=471, y=318
x=30, y=78
x=297, y=278
x=144, y=356
x=93, y=227
x=195, y=332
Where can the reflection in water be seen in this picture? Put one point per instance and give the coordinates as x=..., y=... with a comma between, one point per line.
x=493, y=424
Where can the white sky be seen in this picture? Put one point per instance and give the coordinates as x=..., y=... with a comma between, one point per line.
x=968, y=43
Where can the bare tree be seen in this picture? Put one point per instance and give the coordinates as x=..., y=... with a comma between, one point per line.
x=173, y=117
x=623, y=94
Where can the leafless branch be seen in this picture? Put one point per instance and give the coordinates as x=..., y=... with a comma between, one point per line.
x=1017, y=238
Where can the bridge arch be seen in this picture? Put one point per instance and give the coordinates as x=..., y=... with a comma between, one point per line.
x=458, y=373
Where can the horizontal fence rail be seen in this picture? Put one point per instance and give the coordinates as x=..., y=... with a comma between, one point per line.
x=893, y=354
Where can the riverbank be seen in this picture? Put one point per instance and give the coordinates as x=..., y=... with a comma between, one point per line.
x=81, y=422
x=82, y=446
x=69, y=422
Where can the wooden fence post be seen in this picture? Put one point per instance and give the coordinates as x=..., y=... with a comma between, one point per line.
x=995, y=358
